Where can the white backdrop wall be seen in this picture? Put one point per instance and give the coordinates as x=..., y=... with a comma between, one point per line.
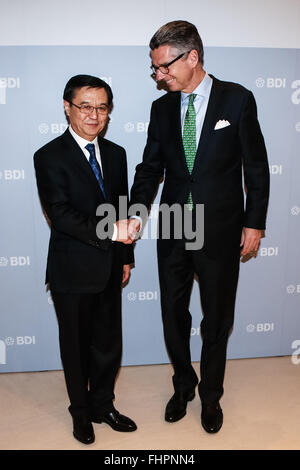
x=41, y=46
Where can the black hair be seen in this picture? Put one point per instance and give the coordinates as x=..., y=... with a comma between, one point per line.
x=80, y=81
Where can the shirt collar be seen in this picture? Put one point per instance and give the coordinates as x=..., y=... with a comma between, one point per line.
x=202, y=89
x=80, y=140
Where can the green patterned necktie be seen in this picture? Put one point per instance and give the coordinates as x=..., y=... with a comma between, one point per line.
x=189, y=140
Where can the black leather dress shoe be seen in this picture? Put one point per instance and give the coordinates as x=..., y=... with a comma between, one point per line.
x=83, y=430
x=211, y=417
x=176, y=407
x=116, y=421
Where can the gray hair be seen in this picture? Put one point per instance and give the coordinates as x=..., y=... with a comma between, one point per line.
x=181, y=35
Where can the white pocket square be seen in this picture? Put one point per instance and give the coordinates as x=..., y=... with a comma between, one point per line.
x=221, y=123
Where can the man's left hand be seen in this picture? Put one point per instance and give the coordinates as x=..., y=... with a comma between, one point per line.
x=126, y=273
x=250, y=240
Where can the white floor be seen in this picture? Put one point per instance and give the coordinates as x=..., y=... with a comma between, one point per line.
x=261, y=407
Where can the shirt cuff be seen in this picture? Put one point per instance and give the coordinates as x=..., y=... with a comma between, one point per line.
x=115, y=233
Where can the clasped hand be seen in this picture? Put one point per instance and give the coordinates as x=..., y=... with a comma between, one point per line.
x=127, y=230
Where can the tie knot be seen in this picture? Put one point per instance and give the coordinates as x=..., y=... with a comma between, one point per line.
x=91, y=149
x=192, y=98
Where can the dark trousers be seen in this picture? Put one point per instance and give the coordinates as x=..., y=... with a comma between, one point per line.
x=90, y=338
x=217, y=281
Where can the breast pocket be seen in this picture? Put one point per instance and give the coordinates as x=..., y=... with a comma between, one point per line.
x=226, y=130
x=224, y=139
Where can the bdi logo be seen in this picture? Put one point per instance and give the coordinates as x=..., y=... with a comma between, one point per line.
x=270, y=251
x=53, y=128
x=276, y=82
x=18, y=341
x=14, y=261
x=25, y=340
x=276, y=169
x=19, y=261
x=271, y=82
x=2, y=352
x=293, y=289
x=142, y=295
x=195, y=331
x=6, y=83
x=12, y=175
x=136, y=127
x=260, y=328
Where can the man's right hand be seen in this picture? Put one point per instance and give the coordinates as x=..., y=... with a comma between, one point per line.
x=122, y=232
x=133, y=228
x=127, y=230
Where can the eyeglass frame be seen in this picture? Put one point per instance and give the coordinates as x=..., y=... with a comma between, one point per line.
x=92, y=108
x=155, y=68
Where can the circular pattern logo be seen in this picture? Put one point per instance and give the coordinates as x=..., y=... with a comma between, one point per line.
x=295, y=210
x=131, y=296
x=3, y=261
x=43, y=128
x=250, y=328
x=129, y=127
x=290, y=289
x=260, y=82
x=9, y=341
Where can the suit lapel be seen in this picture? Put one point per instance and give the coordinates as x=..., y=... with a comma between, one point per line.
x=106, y=163
x=80, y=160
x=209, y=122
x=175, y=117
x=207, y=128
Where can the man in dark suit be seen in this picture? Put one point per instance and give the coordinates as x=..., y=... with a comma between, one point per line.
x=201, y=135
x=77, y=173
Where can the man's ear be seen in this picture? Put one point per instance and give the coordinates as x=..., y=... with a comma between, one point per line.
x=67, y=107
x=193, y=57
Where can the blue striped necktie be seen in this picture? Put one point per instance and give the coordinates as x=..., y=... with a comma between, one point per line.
x=95, y=166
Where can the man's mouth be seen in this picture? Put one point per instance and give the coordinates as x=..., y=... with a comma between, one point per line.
x=168, y=82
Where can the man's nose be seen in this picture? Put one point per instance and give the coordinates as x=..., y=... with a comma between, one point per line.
x=160, y=75
x=94, y=114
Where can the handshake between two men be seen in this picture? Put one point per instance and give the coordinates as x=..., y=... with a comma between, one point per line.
x=127, y=230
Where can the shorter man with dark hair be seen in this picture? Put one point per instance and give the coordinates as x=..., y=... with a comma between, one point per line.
x=76, y=173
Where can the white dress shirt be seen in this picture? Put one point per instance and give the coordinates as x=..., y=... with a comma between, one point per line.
x=82, y=143
x=200, y=103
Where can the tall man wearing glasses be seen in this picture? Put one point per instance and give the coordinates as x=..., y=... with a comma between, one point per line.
x=201, y=135
x=76, y=173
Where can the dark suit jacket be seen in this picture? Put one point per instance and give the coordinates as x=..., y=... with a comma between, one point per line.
x=78, y=261
x=216, y=180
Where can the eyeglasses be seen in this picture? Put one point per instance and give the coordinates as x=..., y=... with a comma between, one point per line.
x=87, y=109
x=165, y=67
